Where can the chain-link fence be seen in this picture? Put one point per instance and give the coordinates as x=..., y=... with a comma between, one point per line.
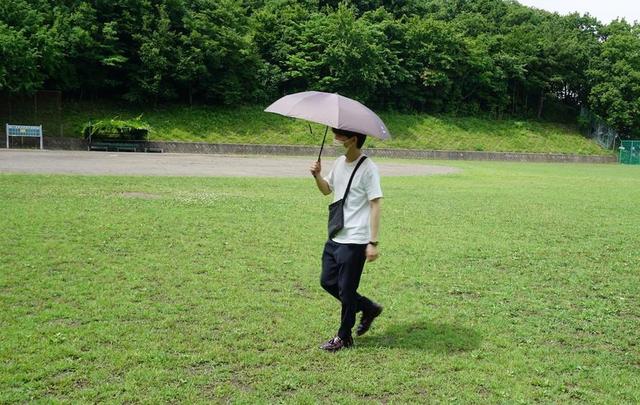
x=630, y=152
x=598, y=130
x=43, y=108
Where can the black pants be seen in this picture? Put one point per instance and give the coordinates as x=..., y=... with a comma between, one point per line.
x=342, y=266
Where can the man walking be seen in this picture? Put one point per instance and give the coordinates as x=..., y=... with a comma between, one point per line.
x=347, y=250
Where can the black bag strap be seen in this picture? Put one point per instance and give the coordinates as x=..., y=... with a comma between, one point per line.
x=351, y=179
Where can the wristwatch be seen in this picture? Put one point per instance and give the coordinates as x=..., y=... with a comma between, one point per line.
x=373, y=243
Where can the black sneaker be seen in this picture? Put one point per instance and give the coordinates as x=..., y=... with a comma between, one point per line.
x=367, y=319
x=336, y=343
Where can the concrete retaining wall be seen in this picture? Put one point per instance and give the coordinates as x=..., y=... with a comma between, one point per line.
x=232, y=149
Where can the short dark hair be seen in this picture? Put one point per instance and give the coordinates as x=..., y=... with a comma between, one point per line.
x=351, y=134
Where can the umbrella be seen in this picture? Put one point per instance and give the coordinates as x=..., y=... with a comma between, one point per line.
x=333, y=110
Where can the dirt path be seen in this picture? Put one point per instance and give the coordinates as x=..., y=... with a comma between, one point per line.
x=179, y=164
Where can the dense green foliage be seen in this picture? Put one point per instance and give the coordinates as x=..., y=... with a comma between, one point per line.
x=616, y=78
x=132, y=129
x=508, y=283
x=461, y=56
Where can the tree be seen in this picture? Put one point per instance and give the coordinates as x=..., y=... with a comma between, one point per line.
x=19, y=70
x=218, y=58
x=615, y=75
x=355, y=59
x=435, y=59
x=156, y=54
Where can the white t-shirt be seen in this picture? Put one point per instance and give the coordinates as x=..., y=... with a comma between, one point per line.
x=364, y=188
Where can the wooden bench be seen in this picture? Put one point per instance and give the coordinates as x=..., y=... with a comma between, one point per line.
x=113, y=146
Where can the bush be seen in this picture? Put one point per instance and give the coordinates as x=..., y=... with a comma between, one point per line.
x=131, y=130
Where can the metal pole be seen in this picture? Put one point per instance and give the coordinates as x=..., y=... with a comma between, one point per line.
x=41, y=138
x=7, y=131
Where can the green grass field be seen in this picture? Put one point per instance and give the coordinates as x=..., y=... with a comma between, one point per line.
x=506, y=283
x=251, y=125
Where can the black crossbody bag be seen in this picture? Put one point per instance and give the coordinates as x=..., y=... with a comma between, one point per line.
x=336, y=209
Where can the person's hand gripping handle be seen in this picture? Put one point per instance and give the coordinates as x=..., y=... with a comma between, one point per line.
x=316, y=168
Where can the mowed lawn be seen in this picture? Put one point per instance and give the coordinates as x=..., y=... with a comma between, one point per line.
x=505, y=283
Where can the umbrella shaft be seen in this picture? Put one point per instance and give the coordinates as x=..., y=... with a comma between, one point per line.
x=323, y=140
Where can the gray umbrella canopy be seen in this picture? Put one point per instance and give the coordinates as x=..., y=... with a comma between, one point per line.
x=333, y=110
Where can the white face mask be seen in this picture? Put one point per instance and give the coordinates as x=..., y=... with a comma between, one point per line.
x=338, y=143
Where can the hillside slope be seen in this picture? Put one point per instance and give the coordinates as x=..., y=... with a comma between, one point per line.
x=250, y=125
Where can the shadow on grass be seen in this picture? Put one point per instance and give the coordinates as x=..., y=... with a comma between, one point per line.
x=424, y=335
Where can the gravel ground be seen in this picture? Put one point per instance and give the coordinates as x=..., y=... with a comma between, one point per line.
x=179, y=164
